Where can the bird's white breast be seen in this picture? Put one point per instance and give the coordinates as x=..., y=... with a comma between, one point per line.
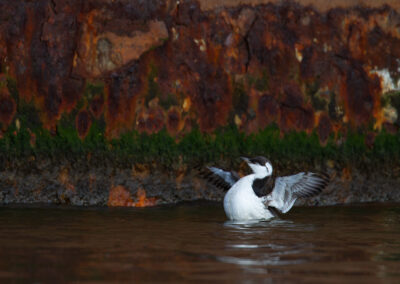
x=241, y=203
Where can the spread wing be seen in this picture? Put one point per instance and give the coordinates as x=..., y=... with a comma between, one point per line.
x=288, y=189
x=220, y=178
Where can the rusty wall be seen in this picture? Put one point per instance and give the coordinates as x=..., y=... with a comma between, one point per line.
x=174, y=65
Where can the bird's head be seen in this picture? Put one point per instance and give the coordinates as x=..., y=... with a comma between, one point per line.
x=261, y=166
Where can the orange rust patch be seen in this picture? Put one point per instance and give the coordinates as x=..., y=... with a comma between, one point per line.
x=186, y=104
x=142, y=201
x=63, y=178
x=119, y=196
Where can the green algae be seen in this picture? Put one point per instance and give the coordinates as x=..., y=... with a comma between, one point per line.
x=225, y=144
x=93, y=88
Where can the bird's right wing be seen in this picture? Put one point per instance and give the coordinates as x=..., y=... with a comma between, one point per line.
x=220, y=178
x=288, y=189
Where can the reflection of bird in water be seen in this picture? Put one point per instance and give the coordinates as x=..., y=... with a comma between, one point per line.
x=246, y=198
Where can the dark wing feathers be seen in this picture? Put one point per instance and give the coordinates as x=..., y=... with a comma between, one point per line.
x=310, y=184
x=220, y=178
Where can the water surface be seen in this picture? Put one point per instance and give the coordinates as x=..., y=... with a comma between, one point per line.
x=193, y=242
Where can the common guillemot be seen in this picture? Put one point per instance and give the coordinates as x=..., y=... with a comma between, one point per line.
x=258, y=196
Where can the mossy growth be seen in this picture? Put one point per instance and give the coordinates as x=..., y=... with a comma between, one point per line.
x=293, y=150
x=93, y=88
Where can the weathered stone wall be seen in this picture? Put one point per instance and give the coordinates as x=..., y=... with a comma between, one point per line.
x=117, y=67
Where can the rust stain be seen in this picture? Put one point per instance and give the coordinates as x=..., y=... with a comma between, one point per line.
x=119, y=196
x=142, y=200
x=64, y=179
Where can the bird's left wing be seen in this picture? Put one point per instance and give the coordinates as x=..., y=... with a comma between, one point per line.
x=220, y=178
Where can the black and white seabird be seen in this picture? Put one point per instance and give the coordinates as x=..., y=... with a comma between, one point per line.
x=258, y=196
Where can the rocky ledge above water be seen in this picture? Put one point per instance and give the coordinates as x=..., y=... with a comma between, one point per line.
x=102, y=182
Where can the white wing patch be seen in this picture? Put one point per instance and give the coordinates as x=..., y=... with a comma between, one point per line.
x=288, y=189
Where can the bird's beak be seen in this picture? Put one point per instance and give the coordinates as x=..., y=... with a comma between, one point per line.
x=245, y=159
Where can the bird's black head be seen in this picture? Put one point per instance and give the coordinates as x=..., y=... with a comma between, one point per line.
x=260, y=165
x=260, y=160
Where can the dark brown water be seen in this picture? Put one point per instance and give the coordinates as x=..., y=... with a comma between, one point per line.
x=193, y=242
